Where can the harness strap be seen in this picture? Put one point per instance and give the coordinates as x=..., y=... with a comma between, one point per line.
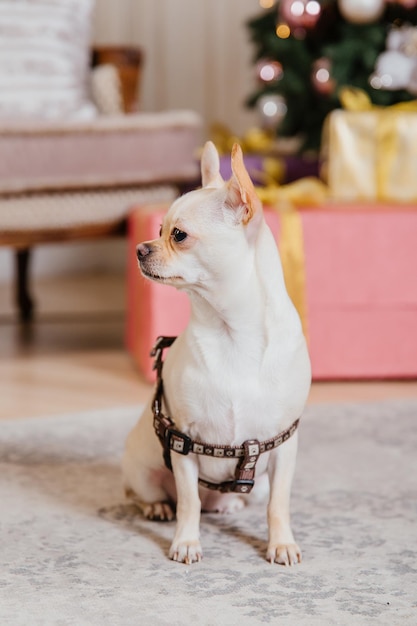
x=173, y=439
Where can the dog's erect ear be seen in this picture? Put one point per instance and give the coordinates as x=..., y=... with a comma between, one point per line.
x=210, y=166
x=241, y=185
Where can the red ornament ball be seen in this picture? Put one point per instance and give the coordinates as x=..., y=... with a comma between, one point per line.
x=321, y=76
x=300, y=13
x=269, y=71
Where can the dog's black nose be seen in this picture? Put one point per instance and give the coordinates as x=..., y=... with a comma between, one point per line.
x=142, y=250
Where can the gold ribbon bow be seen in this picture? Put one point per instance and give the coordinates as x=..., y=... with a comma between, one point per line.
x=356, y=99
x=255, y=140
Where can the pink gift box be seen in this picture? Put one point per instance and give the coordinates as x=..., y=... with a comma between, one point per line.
x=361, y=291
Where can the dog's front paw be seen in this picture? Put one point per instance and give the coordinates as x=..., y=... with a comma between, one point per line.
x=284, y=554
x=186, y=552
x=158, y=511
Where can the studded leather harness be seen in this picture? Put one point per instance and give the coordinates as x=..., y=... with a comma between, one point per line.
x=174, y=440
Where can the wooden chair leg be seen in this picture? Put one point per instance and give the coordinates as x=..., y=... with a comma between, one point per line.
x=23, y=299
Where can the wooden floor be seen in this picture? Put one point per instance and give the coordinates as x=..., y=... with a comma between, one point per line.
x=72, y=358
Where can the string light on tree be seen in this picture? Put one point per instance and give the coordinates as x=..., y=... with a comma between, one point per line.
x=361, y=11
x=283, y=31
x=272, y=108
x=321, y=76
x=300, y=13
x=269, y=71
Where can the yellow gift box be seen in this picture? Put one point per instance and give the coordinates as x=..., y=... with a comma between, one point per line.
x=370, y=153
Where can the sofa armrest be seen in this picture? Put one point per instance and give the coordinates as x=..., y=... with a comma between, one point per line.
x=141, y=148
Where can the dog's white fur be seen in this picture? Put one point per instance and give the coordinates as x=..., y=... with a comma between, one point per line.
x=239, y=371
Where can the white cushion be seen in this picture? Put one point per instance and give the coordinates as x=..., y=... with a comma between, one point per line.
x=106, y=89
x=44, y=59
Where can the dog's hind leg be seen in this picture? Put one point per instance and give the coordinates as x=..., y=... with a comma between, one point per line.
x=151, y=490
x=160, y=511
x=148, y=483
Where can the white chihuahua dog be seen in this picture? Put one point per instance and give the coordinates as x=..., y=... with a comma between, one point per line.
x=234, y=383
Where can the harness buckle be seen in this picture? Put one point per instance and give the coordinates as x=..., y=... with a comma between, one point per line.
x=178, y=442
x=240, y=485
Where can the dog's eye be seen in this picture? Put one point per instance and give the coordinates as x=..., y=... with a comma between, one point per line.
x=160, y=231
x=178, y=235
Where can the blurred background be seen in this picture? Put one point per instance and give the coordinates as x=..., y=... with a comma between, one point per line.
x=195, y=55
x=104, y=107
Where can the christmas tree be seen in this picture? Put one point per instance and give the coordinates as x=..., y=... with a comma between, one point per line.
x=307, y=50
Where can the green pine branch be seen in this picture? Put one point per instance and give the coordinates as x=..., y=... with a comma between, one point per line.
x=352, y=49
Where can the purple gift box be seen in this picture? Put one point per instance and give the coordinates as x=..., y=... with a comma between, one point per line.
x=294, y=167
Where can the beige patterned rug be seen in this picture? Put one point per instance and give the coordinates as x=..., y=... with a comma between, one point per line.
x=73, y=553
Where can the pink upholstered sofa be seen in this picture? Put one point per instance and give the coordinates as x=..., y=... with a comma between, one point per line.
x=68, y=171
